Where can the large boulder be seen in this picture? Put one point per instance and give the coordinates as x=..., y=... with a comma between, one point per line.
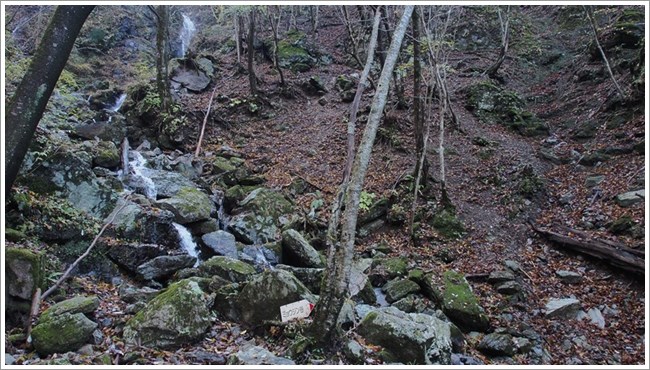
x=168, y=183
x=397, y=289
x=408, y=338
x=566, y=308
x=259, y=215
x=62, y=333
x=221, y=242
x=261, y=298
x=179, y=315
x=191, y=74
x=497, y=344
x=461, y=305
x=130, y=256
x=144, y=223
x=311, y=277
x=78, y=304
x=23, y=272
x=164, y=266
x=298, y=252
x=227, y=268
x=188, y=205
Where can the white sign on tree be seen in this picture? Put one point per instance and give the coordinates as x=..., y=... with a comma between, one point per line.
x=296, y=310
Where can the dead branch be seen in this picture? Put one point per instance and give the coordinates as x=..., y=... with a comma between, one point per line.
x=205, y=120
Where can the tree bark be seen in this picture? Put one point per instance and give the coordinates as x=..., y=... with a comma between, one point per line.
x=335, y=287
x=275, y=22
x=162, y=46
x=252, y=79
x=30, y=99
x=421, y=166
x=505, y=39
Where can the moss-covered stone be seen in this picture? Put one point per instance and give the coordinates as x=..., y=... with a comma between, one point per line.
x=227, y=268
x=621, y=225
x=78, y=304
x=447, y=224
x=235, y=194
x=62, y=333
x=24, y=272
x=222, y=165
x=293, y=53
x=179, y=315
x=14, y=235
x=461, y=305
x=391, y=267
x=188, y=205
x=399, y=288
x=106, y=155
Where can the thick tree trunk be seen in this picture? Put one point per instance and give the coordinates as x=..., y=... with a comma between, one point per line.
x=340, y=252
x=252, y=79
x=28, y=103
x=162, y=42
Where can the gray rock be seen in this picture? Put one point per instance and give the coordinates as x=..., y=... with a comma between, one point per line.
x=298, y=252
x=255, y=355
x=508, y=287
x=188, y=205
x=596, y=317
x=409, y=338
x=62, y=333
x=222, y=242
x=362, y=310
x=497, y=277
x=311, y=277
x=227, y=268
x=592, y=181
x=461, y=305
x=148, y=225
x=497, y=344
x=78, y=304
x=23, y=272
x=169, y=183
x=259, y=256
x=512, y=265
x=354, y=352
x=179, y=315
x=568, y=277
x=630, y=198
x=397, y=289
x=260, y=214
x=261, y=298
x=522, y=345
x=459, y=359
x=132, y=294
x=130, y=256
x=204, y=227
x=566, y=308
x=164, y=266
x=249, y=228
x=190, y=78
x=9, y=359
x=106, y=155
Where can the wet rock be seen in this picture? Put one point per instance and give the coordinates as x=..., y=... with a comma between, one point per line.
x=566, y=308
x=568, y=277
x=62, y=333
x=222, y=242
x=399, y=288
x=255, y=355
x=227, y=268
x=408, y=338
x=497, y=344
x=298, y=252
x=630, y=198
x=261, y=298
x=164, y=266
x=179, y=315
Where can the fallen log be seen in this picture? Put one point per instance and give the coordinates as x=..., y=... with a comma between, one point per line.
x=613, y=253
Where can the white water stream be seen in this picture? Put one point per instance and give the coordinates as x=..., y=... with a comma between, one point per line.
x=186, y=34
x=187, y=243
x=118, y=103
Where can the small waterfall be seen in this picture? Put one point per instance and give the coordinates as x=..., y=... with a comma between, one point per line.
x=222, y=217
x=138, y=170
x=186, y=34
x=124, y=147
x=187, y=243
x=118, y=103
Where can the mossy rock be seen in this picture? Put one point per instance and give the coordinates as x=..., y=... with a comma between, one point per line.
x=188, y=205
x=23, y=272
x=391, y=267
x=461, y=305
x=227, y=268
x=399, y=288
x=447, y=224
x=179, y=315
x=106, y=155
x=62, y=333
x=344, y=83
x=292, y=51
x=222, y=165
x=236, y=194
x=621, y=225
x=14, y=235
x=78, y=304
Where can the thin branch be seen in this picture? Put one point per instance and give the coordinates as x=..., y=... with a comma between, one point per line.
x=205, y=120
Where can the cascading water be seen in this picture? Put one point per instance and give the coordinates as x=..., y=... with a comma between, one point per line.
x=118, y=103
x=187, y=243
x=186, y=34
x=138, y=169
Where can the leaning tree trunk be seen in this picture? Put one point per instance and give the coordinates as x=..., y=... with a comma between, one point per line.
x=30, y=99
x=335, y=288
x=505, y=40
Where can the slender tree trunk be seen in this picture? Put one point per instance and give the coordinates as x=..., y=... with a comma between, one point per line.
x=421, y=166
x=237, y=21
x=505, y=40
x=30, y=99
x=335, y=287
x=162, y=58
x=592, y=22
x=275, y=22
x=252, y=79
x=353, y=42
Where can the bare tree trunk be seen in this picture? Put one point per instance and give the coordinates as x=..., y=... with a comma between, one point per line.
x=252, y=79
x=205, y=121
x=275, y=21
x=237, y=21
x=335, y=287
x=418, y=119
x=592, y=21
x=162, y=57
x=504, y=21
x=28, y=103
x=353, y=42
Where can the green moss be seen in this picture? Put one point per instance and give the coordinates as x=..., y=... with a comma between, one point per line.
x=14, y=235
x=63, y=333
x=222, y=165
x=621, y=225
x=416, y=275
x=227, y=268
x=460, y=304
x=447, y=224
x=393, y=267
x=30, y=264
x=79, y=304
